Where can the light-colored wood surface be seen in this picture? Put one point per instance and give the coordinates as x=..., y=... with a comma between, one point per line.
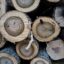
x=39, y=60
x=55, y=49
x=6, y=58
x=22, y=5
x=27, y=54
x=58, y=15
x=14, y=30
x=54, y=1
x=2, y=41
x=2, y=7
x=45, y=29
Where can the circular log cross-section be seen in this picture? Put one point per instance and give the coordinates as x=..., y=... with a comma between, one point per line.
x=45, y=29
x=27, y=54
x=2, y=7
x=54, y=1
x=25, y=5
x=15, y=26
x=2, y=41
x=7, y=59
x=59, y=15
x=55, y=49
x=39, y=60
x=12, y=52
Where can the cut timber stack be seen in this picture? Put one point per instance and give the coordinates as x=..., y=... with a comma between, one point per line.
x=31, y=31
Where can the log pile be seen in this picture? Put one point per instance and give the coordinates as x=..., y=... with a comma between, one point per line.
x=31, y=31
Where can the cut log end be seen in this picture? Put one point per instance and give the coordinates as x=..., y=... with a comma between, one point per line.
x=14, y=26
x=53, y=1
x=26, y=5
x=7, y=59
x=39, y=60
x=27, y=54
x=45, y=29
x=55, y=49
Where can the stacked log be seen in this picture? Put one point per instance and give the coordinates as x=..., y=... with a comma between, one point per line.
x=15, y=26
x=7, y=59
x=25, y=38
x=27, y=54
x=42, y=58
x=53, y=1
x=25, y=5
x=12, y=53
x=2, y=41
x=55, y=49
x=2, y=7
x=45, y=29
